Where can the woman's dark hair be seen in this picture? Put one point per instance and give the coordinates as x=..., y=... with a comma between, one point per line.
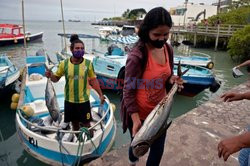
x=73, y=40
x=154, y=18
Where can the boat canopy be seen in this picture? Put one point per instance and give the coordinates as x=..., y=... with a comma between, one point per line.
x=11, y=26
x=10, y=29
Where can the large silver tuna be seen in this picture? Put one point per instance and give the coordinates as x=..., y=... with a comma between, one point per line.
x=51, y=102
x=155, y=124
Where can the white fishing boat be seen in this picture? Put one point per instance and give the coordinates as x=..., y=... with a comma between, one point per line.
x=105, y=32
x=8, y=72
x=54, y=142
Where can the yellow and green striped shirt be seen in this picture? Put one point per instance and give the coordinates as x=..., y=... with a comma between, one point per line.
x=77, y=88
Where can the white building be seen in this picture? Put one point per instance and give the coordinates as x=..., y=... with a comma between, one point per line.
x=187, y=13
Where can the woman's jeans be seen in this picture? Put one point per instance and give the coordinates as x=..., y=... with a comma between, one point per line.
x=244, y=157
x=156, y=150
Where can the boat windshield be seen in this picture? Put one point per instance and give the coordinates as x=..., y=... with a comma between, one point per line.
x=5, y=30
x=10, y=31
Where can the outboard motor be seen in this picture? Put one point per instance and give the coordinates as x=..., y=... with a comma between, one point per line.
x=215, y=86
x=111, y=48
x=41, y=52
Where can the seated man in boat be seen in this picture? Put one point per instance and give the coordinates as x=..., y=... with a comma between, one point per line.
x=79, y=74
x=115, y=50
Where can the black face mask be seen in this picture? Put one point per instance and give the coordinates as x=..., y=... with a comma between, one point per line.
x=157, y=43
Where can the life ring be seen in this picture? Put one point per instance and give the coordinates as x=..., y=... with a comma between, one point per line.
x=210, y=65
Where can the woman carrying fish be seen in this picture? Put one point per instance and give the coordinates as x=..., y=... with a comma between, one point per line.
x=148, y=78
x=79, y=74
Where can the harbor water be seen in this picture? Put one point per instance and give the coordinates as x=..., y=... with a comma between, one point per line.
x=11, y=151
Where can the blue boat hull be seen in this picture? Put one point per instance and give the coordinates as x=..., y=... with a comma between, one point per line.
x=192, y=87
x=20, y=41
x=7, y=90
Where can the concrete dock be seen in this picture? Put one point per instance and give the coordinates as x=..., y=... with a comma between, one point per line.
x=192, y=138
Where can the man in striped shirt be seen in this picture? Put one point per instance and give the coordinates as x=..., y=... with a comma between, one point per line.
x=79, y=75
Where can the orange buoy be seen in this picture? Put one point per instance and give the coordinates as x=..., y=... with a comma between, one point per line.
x=15, y=40
x=15, y=97
x=28, y=111
x=13, y=105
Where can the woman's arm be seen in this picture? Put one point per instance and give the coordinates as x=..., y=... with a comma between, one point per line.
x=133, y=71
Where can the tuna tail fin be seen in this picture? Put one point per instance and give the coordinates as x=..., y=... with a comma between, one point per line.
x=140, y=149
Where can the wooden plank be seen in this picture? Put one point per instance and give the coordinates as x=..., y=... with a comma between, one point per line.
x=217, y=38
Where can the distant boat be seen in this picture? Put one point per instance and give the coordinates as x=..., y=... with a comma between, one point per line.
x=8, y=72
x=128, y=40
x=195, y=58
x=12, y=34
x=128, y=30
x=197, y=79
x=110, y=69
x=105, y=32
x=70, y=20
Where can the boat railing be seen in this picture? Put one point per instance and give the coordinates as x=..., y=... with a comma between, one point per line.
x=58, y=129
x=198, y=68
x=201, y=53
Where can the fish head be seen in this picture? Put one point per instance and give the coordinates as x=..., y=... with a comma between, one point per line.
x=54, y=114
x=140, y=149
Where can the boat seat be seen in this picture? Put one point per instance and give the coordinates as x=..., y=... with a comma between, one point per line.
x=36, y=90
x=2, y=64
x=117, y=51
x=36, y=64
x=114, y=50
x=3, y=69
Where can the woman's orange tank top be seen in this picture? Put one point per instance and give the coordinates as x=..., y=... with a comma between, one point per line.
x=151, y=88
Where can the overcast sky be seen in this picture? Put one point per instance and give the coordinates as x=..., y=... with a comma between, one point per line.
x=85, y=10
